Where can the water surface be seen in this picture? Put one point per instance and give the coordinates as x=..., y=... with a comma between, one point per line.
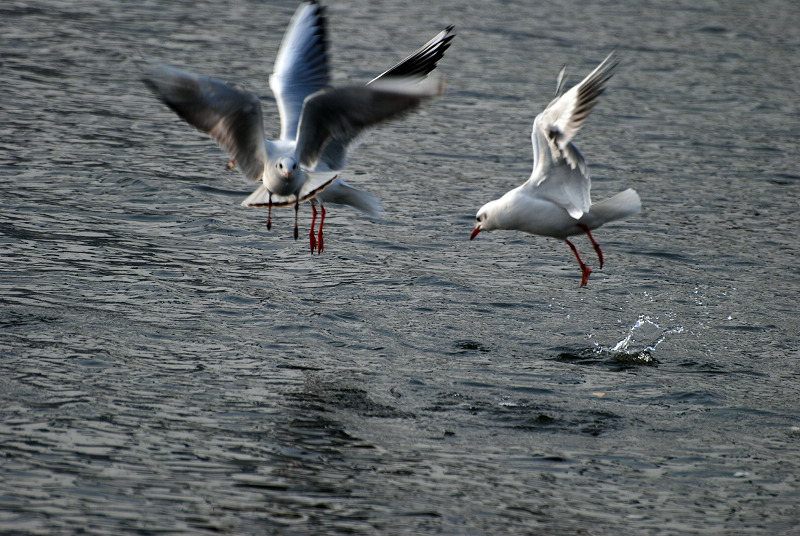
x=168, y=366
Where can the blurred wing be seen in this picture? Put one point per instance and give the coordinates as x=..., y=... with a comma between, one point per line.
x=315, y=184
x=231, y=116
x=338, y=116
x=415, y=67
x=422, y=61
x=301, y=67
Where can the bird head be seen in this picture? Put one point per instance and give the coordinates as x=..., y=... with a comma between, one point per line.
x=284, y=176
x=287, y=167
x=483, y=219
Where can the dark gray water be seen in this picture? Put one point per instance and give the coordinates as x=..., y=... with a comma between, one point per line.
x=167, y=366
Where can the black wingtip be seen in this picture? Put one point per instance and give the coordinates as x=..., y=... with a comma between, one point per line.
x=322, y=24
x=424, y=60
x=595, y=85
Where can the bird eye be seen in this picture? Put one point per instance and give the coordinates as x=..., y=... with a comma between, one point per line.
x=294, y=166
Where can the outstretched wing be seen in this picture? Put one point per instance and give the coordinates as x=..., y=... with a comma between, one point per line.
x=229, y=115
x=565, y=115
x=415, y=66
x=337, y=116
x=559, y=170
x=301, y=67
x=422, y=61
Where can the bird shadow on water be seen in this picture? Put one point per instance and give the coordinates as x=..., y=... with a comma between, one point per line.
x=636, y=349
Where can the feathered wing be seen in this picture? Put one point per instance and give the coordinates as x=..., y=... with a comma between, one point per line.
x=422, y=61
x=565, y=115
x=559, y=172
x=315, y=184
x=229, y=115
x=301, y=67
x=338, y=116
x=416, y=66
x=566, y=186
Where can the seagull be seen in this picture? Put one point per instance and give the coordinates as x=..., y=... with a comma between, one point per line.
x=319, y=123
x=555, y=200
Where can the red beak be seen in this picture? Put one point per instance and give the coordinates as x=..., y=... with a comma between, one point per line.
x=475, y=232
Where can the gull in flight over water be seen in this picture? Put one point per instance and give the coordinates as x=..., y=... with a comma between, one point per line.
x=319, y=123
x=555, y=200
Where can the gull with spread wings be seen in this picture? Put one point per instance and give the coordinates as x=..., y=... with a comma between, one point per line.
x=555, y=200
x=319, y=123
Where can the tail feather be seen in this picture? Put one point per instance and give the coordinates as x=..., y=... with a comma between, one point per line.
x=623, y=205
x=341, y=193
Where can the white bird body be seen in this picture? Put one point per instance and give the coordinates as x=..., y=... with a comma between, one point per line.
x=556, y=200
x=513, y=212
x=319, y=123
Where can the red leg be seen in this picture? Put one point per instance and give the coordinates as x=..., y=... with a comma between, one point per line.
x=585, y=270
x=594, y=244
x=319, y=235
x=312, y=240
x=269, y=212
x=231, y=164
x=296, y=210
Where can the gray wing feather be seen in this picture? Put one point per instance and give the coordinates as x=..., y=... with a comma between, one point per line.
x=415, y=66
x=565, y=115
x=229, y=115
x=338, y=116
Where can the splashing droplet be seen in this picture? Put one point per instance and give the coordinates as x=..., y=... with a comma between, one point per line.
x=642, y=339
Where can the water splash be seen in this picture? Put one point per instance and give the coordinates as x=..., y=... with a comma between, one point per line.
x=636, y=349
x=640, y=343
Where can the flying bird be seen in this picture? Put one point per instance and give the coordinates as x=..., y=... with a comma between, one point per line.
x=555, y=201
x=319, y=123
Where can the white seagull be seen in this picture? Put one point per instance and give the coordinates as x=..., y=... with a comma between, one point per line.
x=319, y=123
x=555, y=200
